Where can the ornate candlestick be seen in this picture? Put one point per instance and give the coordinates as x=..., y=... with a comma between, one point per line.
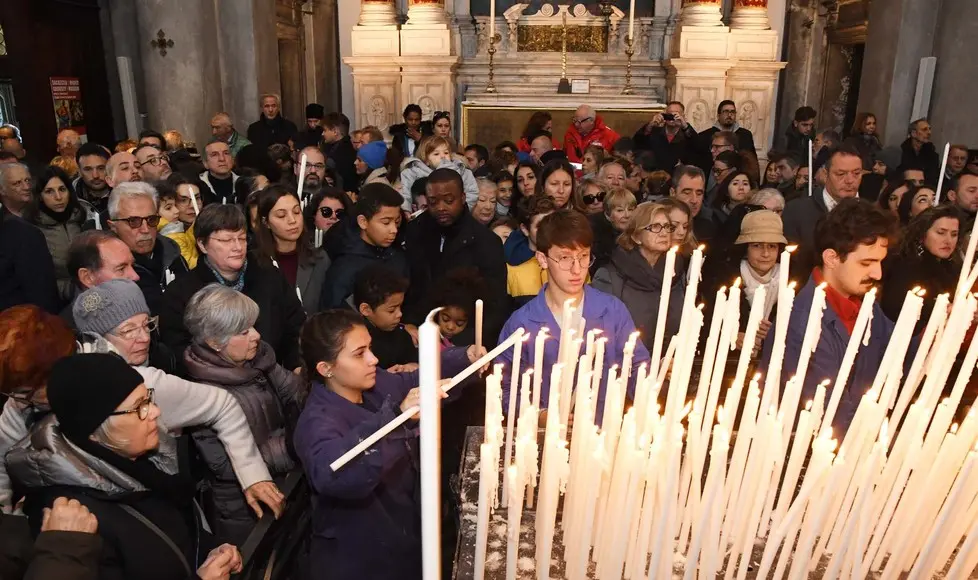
x=491, y=86
x=563, y=87
x=629, y=52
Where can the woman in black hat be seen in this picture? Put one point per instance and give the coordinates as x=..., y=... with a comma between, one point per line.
x=105, y=447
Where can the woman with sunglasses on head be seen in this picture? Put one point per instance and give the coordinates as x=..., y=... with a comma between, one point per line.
x=60, y=215
x=590, y=195
x=617, y=205
x=284, y=243
x=324, y=210
x=636, y=272
x=35, y=341
x=105, y=446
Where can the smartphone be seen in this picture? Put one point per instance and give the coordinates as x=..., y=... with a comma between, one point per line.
x=668, y=117
x=577, y=166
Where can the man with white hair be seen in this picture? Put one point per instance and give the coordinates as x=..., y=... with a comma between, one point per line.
x=133, y=216
x=588, y=129
x=271, y=127
x=15, y=187
x=222, y=128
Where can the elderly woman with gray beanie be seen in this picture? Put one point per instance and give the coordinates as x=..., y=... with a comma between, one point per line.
x=228, y=352
x=105, y=446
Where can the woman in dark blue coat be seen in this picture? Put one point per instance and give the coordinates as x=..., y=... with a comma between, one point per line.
x=367, y=518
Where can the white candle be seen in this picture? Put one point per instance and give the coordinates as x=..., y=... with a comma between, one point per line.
x=193, y=200
x=940, y=176
x=969, y=260
x=429, y=375
x=538, y=365
x=482, y=522
x=298, y=294
x=811, y=169
x=514, y=385
x=98, y=221
x=516, y=486
x=660, y=324
x=862, y=322
x=631, y=20
x=478, y=323
x=302, y=175
x=492, y=20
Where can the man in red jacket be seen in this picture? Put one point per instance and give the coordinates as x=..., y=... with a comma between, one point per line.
x=588, y=129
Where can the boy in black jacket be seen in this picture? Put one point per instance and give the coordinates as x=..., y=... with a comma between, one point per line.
x=379, y=295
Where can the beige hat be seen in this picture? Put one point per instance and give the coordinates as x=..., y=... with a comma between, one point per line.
x=761, y=226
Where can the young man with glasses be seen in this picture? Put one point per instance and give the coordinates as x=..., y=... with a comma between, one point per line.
x=133, y=217
x=563, y=249
x=587, y=128
x=152, y=164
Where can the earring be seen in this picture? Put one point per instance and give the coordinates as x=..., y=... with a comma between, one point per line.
x=329, y=374
x=920, y=249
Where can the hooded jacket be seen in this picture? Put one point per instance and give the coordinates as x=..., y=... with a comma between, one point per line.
x=270, y=397
x=601, y=134
x=630, y=278
x=350, y=256
x=413, y=169
x=59, y=235
x=48, y=466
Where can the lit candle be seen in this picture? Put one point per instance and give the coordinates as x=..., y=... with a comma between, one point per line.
x=969, y=261
x=429, y=375
x=538, y=365
x=478, y=323
x=660, y=325
x=862, y=322
x=302, y=175
x=492, y=20
x=631, y=21
x=511, y=404
x=811, y=169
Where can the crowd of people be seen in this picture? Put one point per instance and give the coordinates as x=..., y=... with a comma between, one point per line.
x=181, y=330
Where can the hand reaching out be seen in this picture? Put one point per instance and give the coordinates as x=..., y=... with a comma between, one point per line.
x=68, y=515
x=267, y=493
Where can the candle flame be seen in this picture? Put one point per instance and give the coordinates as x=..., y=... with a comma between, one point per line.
x=525, y=337
x=808, y=405
x=544, y=332
x=922, y=293
x=431, y=316
x=736, y=283
x=954, y=428
x=674, y=249
x=633, y=337
x=790, y=249
x=823, y=286
x=702, y=247
x=792, y=285
x=824, y=383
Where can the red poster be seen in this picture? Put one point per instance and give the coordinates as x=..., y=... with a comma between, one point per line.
x=68, y=109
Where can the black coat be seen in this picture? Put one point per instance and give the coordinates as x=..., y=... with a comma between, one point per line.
x=682, y=148
x=926, y=159
x=152, y=270
x=280, y=314
x=55, y=554
x=392, y=347
x=350, y=255
x=901, y=273
x=799, y=218
x=605, y=240
x=704, y=140
x=344, y=156
x=468, y=244
x=26, y=268
x=265, y=132
x=797, y=144
x=399, y=138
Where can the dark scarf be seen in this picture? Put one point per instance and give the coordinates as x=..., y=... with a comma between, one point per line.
x=635, y=270
x=176, y=489
x=206, y=365
x=61, y=217
x=237, y=284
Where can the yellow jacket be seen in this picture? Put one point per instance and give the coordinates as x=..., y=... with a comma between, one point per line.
x=188, y=245
x=527, y=279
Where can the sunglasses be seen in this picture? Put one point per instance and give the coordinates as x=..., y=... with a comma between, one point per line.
x=589, y=199
x=135, y=222
x=327, y=212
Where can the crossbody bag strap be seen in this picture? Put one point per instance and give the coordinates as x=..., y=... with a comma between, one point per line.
x=156, y=530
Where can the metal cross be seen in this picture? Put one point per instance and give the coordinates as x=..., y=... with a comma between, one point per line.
x=161, y=42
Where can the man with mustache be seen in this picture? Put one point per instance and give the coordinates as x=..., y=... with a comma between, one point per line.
x=851, y=242
x=133, y=216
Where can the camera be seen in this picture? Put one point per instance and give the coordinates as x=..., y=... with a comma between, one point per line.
x=668, y=117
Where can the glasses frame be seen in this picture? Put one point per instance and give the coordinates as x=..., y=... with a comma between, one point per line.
x=340, y=213
x=152, y=323
x=669, y=227
x=594, y=197
x=142, y=407
x=129, y=221
x=581, y=121
x=571, y=260
x=154, y=161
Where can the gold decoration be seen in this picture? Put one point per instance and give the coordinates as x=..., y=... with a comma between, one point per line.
x=550, y=38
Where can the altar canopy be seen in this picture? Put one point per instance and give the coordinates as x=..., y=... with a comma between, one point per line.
x=439, y=58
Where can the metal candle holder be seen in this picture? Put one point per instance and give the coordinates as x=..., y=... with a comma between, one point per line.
x=629, y=52
x=491, y=86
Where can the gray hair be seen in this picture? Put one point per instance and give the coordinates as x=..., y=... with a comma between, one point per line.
x=762, y=195
x=687, y=171
x=5, y=169
x=486, y=183
x=216, y=313
x=130, y=190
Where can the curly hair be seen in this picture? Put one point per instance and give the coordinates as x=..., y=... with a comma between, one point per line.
x=916, y=231
x=31, y=341
x=852, y=223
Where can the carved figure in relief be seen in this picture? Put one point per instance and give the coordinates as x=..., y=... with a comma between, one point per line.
x=748, y=115
x=377, y=112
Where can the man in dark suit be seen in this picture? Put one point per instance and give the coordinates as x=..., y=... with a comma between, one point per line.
x=407, y=135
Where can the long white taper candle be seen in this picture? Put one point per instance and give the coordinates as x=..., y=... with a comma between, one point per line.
x=811, y=169
x=302, y=176
x=429, y=367
x=940, y=176
x=479, y=305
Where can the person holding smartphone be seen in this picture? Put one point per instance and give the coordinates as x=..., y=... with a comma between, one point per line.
x=669, y=137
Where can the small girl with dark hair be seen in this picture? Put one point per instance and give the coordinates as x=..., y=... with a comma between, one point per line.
x=372, y=501
x=456, y=294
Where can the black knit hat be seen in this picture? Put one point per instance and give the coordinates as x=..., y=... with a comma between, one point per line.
x=84, y=389
x=315, y=111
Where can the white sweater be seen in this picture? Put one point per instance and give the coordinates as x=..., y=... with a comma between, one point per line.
x=182, y=404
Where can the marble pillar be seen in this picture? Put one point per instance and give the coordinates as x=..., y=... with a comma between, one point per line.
x=376, y=44
x=426, y=12
x=376, y=34
x=377, y=13
x=427, y=31
x=702, y=12
x=189, y=73
x=750, y=14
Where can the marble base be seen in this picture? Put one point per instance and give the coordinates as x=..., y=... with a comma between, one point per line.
x=700, y=41
x=426, y=40
x=760, y=45
x=376, y=40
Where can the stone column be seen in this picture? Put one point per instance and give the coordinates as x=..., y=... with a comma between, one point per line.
x=190, y=72
x=426, y=32
x=377, y=13
x=750, y=14
x=376, y=44
x=703, y=12
x=426, y=12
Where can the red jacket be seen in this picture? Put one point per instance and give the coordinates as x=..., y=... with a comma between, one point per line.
x=575, y=143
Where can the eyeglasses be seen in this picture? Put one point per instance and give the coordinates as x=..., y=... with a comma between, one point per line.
x=142, y=407
x=133, y=333
x=316, y=166
x=728, y=112
x=26, y=396
x=154, y=161
x=598, y=197
x=658, y=228
x=327, y=212
x=581, y=121
x=752, y=208
x=185, y=200
x=567, y=262
x=720, y=170
x=136, y=222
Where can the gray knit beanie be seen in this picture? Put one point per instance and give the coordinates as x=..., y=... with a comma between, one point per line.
x=104, y=307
